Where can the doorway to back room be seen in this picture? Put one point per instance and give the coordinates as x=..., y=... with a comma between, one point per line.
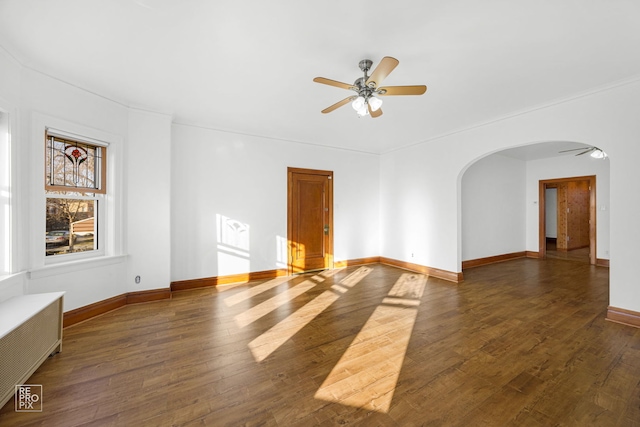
x=568, y=219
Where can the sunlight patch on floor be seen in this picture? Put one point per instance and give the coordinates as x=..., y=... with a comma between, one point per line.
x=331, y=273
x=265, y=344
x=356, y=276
x=270, y=341
x=254, y=313
x=367, y=373
x=255, y=290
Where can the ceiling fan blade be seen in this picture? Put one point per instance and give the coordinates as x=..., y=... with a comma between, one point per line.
x=384, y=68
x=334, y=83
x=403, y=90
x=376, y=113
x=574, y=149
x=338, y=104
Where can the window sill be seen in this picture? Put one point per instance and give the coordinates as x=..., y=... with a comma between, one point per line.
x=73, y=266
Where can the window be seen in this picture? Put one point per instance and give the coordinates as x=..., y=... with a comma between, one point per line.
x=75, y=185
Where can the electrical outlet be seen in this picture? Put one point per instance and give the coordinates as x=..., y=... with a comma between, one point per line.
x=137, y=279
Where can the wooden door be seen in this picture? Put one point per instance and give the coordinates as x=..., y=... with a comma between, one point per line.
x=577, y=195
x=578, y=214
x=573, y=215
x=562, y=217
x=310, y=220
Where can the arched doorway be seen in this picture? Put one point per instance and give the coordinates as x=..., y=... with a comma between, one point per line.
x=500, y=201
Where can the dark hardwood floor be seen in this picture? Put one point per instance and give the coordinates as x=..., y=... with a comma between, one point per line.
x=578, y=255
x=519, y=343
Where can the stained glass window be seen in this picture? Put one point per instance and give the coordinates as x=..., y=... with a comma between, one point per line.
x=75, y=187
x=74, y=165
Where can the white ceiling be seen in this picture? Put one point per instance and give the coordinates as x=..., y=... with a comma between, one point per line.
x=544, y=150
x=247, y=66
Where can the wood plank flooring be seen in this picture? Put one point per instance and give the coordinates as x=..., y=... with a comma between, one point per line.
x=519, y=343
x=579, y=255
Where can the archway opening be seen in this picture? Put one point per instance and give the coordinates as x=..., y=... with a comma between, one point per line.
x=501, y=202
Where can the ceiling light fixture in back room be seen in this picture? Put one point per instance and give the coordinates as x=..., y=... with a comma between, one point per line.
x=365, y=102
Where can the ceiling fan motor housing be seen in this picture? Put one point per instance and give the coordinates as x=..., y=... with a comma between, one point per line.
x=362, y=89
x=365, y=65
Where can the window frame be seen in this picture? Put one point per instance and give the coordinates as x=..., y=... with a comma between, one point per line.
x=31, y=206
x=97, y=195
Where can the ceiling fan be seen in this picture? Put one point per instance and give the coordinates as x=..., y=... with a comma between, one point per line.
x=365, y=102
x=595, y=152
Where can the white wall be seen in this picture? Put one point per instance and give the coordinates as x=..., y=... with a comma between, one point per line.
x=567, y=167
x=420, y=185
x=84, y=282
x=12, y=285
x=419, y=201
x=493, y=207
x=9, y=78
x=218, y=175
x=148, y=220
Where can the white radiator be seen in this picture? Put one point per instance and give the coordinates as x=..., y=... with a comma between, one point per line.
x=30, y=330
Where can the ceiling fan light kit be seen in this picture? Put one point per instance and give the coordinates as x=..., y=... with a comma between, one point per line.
x=367, y=87
x=375, y=103
x=363, y=105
